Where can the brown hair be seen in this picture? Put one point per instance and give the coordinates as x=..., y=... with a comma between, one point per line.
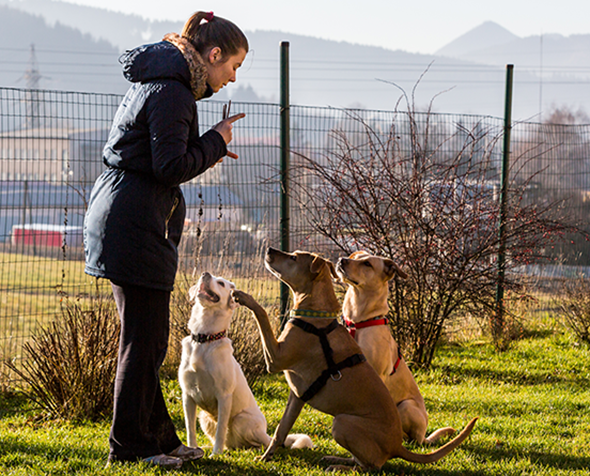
x=206, y=31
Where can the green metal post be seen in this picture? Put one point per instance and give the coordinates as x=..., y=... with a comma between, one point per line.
x=498, y=324
x=285, y=153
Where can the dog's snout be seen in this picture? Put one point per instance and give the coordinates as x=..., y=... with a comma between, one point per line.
x=342, y=262
x=270, y=254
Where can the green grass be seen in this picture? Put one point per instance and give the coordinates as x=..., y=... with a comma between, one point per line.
x=533, y=402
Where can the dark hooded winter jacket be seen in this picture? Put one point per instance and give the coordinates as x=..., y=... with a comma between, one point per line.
x=136, y=211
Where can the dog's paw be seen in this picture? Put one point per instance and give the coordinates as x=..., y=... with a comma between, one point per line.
x=243, y=298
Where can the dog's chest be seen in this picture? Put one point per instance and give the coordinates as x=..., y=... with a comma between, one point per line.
x=205, y=374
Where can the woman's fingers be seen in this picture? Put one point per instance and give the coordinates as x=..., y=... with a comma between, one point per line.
x=236, y=117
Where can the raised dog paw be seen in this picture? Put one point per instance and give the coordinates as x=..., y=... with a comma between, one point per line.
x=243, y=298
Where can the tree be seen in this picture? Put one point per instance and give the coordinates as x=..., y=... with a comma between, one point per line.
x=425, y=196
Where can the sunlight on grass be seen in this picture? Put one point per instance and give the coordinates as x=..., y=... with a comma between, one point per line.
x=533, y=403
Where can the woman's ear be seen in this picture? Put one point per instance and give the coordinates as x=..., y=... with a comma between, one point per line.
x=214, y=55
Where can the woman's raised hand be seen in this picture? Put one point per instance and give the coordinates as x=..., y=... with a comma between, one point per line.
x=225, y=129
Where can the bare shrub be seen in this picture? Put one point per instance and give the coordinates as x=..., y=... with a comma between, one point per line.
x=69, y=366
x=575, y=307
x=424, y=192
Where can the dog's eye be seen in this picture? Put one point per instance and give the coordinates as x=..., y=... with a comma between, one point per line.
x=366, y=263
x=294, y=257
x=222, y=284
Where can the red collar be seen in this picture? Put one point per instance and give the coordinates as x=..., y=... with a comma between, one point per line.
x=204, y=338
x=375, y=321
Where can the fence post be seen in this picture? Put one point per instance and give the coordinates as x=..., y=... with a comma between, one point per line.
x=498, y=324
x=285, y=152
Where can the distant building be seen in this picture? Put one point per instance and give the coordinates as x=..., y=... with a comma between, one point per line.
x=55, y=155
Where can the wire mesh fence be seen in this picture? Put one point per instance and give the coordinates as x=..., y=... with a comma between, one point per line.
x=51, y=152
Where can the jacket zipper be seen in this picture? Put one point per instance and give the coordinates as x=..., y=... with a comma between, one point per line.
x=174, y=205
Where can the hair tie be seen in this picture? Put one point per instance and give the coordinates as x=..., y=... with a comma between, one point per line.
x=209, y=16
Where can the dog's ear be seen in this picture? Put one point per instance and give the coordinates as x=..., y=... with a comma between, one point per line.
x=390, y=269
x=317, y=264
x=192, y=293
x=332, y=270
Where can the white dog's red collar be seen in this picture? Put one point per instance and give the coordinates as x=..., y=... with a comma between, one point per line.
x=204, y=338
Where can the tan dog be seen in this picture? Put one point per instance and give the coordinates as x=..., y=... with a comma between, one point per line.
x=212, y=379
x=324, y=365
x=365, y=309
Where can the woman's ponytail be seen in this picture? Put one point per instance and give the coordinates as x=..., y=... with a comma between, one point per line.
x=205, y=31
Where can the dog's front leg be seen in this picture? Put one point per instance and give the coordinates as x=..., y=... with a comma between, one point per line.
x=224, y=403
x=190, y=419
x=271, y=347
x=292, y=411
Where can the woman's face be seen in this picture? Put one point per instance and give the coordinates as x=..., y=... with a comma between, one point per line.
x=222, y=70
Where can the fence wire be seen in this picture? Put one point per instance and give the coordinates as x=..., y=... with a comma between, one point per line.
x=51, y=152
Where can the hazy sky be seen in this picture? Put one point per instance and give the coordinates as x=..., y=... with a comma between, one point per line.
x=420, y=26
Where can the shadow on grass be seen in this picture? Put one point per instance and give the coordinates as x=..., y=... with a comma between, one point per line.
x=543, y=458
x=500, y=457
x=27, y=451
x=12, y=404
x=246, y=463
x=454, y=374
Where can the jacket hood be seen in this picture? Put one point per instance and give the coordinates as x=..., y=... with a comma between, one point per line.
x=173, y=58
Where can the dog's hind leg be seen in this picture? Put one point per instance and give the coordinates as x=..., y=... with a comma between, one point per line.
x=355, y=434
x=292, y=411
x=190, y=419
x=248, y=430
x=414, y=421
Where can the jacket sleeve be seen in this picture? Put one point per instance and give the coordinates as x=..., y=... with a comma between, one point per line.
x=178, y=153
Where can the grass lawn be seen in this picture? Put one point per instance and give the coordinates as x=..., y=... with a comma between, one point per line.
x=533, y=402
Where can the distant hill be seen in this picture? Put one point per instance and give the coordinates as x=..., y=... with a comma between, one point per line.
x=121, y=30
x=491, y=44
x=486, y=35
x=67, y=59
x=78, y=47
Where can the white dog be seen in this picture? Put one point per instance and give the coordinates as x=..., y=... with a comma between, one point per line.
x=211, y=378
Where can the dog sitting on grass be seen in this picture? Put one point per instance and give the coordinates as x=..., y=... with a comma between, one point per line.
x=212, y=379
x=324, y=367
x=365, y=312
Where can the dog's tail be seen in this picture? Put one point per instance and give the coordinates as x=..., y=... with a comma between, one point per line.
x=441, y=452
x=438, y=434
x=298, y=441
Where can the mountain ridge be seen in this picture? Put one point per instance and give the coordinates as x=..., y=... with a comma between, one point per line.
x=323, y=72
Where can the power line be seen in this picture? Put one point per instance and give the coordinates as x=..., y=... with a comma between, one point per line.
x=61, y=51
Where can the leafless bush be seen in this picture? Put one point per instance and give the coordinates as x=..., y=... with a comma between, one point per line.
x=425, y=194
x=575, y=306
x=69, y=367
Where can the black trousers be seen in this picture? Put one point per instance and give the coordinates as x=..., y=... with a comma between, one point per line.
x=141, y=424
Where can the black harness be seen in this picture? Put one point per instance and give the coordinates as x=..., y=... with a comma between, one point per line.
x=333, y=370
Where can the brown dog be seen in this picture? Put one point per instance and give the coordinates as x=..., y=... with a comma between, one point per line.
x=364, y=310
x=324, y=366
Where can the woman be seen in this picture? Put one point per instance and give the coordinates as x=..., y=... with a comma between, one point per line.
x=136, y=214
